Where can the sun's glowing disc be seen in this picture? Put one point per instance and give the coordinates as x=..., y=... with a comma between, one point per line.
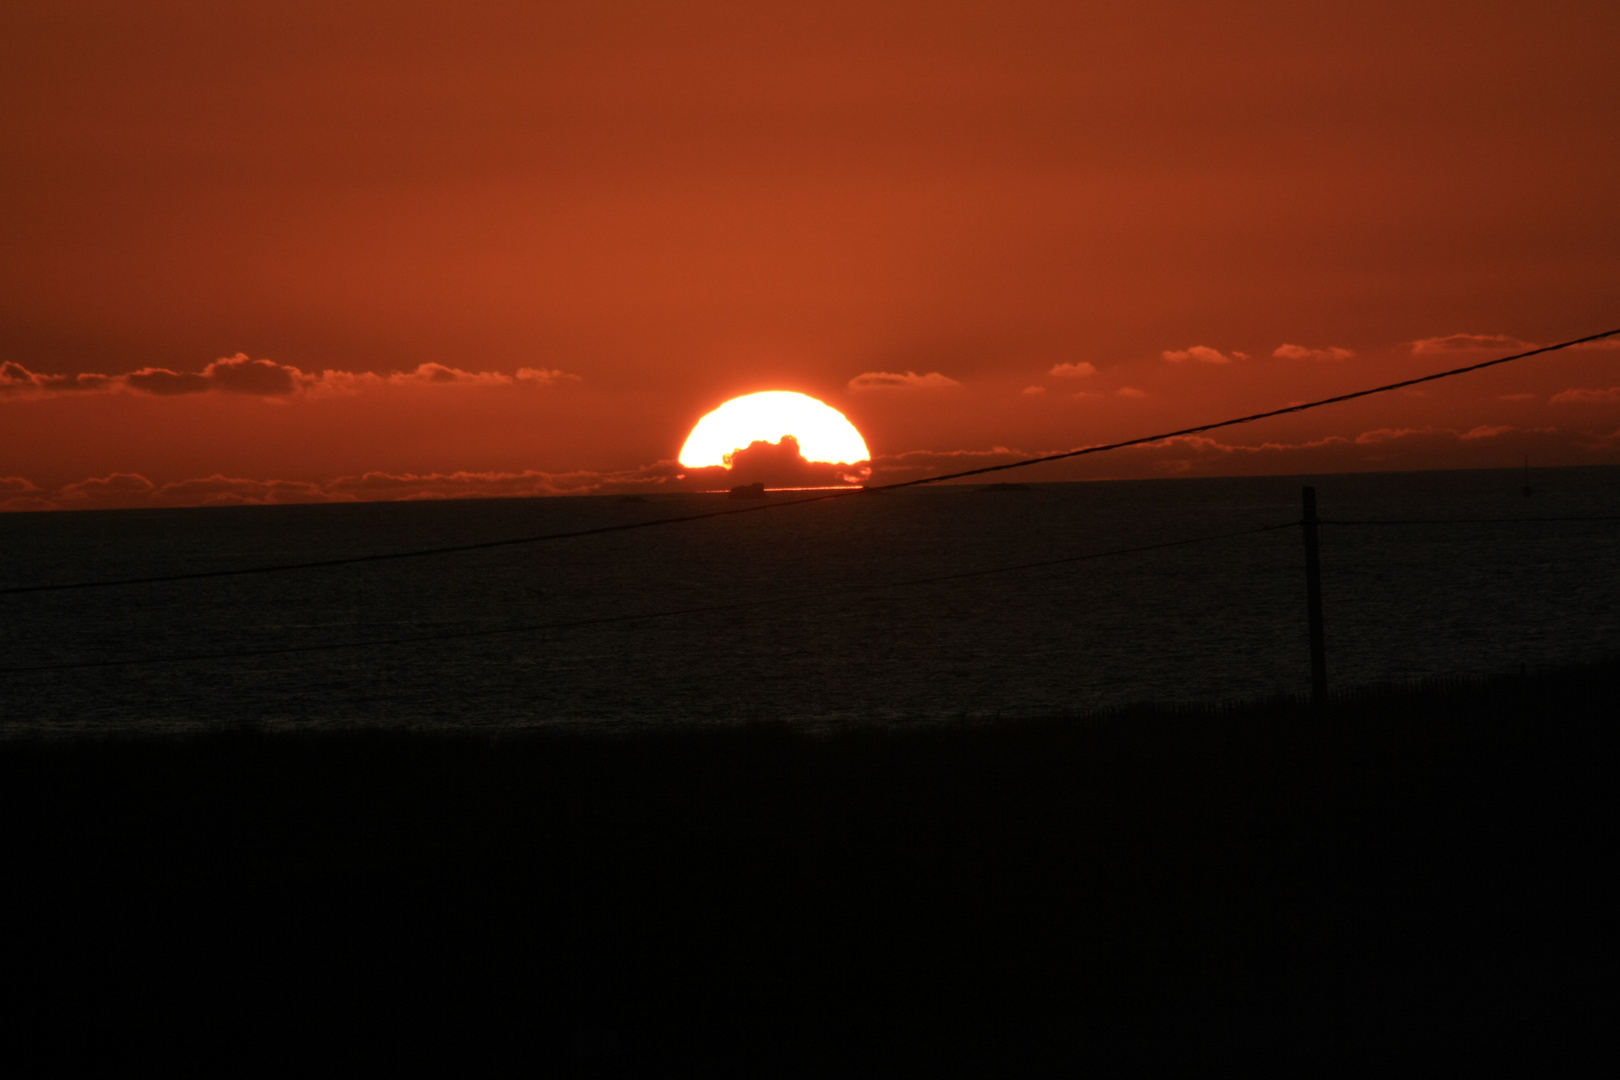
x=823, y=432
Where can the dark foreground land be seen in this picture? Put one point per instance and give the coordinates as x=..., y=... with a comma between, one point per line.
x=1416, y=874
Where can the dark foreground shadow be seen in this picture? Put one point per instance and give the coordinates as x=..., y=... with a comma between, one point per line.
x=1413, y=875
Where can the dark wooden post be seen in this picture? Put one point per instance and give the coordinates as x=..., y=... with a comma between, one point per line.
x=1313, y=602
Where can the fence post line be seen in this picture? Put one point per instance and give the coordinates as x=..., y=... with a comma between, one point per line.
x=1313, y=601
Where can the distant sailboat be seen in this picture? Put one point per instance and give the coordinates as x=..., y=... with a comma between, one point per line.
x=1527, y=476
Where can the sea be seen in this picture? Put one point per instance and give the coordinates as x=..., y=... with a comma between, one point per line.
x=895, y=607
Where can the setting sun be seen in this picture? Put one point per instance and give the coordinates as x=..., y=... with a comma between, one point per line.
x=823, y=433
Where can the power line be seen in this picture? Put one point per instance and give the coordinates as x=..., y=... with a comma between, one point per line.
x=575, y=624
x=656, y=522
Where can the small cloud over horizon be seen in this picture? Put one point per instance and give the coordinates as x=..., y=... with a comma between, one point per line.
x=1300, y=352
x=910, y=380
x=257, y=378
x=1453, y=343
x=1586, y=396
x=1487, y=431
x=1073, y=371
x=1202, y=354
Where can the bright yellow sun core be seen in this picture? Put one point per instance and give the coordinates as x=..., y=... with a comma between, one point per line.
x=823, y=432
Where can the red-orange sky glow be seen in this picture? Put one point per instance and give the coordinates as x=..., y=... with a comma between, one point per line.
x=363, y=250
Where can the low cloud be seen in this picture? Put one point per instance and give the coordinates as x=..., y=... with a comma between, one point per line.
x=1384, y=435
x=888, y=380
x=1379, y=435
x=219, y=490
x=165, y=383
x=777, y=465
x=1131, y=392
x=440, y=375
x=132, y=490
x=18, y=381
x=383, y=486
x=1486, y=431
x=1204, y=455
x=412, y=487
x=18, y=493
x=259, y=378
x=237, y=375
x=1300, y=352
x=114, y=490
x=1568, y=397
x=915, y=464
x=1202, y=354
x=1204, y=446
x=1033, y=390
x=1485, y=446
x=1503, y=343
x=1467, y=343
x=1399, y=448
x=1073, y=371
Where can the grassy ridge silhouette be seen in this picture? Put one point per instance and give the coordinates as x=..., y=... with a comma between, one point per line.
x=1412, y=867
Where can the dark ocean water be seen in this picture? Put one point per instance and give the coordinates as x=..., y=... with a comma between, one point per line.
x=1224, y=619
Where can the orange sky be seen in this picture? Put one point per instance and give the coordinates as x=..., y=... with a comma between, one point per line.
x=513, y=247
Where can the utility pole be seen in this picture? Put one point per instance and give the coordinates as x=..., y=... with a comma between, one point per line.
x=1313, y=602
